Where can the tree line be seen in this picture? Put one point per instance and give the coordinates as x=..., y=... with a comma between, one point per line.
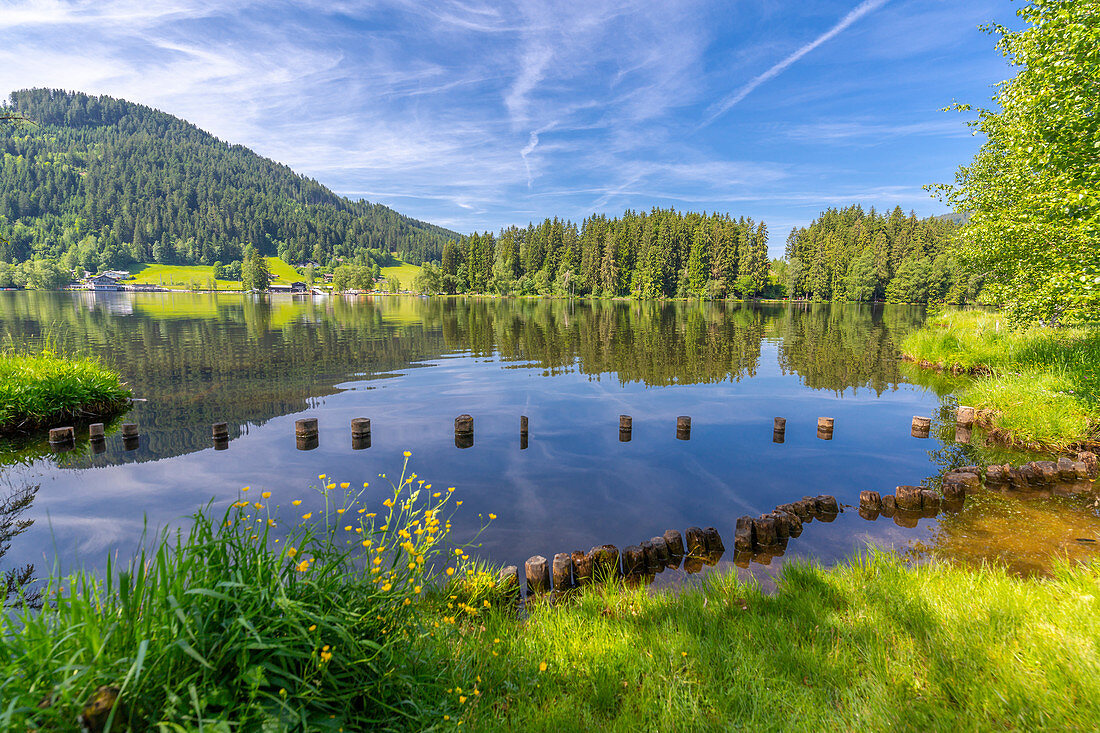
x=850, y=254
x=662, y=253
x=99, y=183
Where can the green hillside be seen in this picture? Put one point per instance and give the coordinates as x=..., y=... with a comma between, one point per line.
x=98, y=183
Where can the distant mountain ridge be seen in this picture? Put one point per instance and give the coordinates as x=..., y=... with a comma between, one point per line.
x=102, y=182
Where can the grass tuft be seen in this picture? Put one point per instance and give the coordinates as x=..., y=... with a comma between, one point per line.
x=39, y=389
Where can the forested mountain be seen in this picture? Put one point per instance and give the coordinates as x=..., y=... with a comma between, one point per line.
x=99, y=183
x=663, y=253
x=849, y=254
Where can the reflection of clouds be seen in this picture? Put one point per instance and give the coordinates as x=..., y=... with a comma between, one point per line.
x=574, y=487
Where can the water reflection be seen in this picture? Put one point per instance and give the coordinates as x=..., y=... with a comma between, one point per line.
x=411, y=365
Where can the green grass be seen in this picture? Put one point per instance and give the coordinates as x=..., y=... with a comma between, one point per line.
x=1042, y=383
x=871, y=645
x=222, y=627
x=42, y=389
x=405, y=272
x=226, y=624
x=202, y=276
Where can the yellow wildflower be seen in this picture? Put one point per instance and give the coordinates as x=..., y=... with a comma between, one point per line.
x=542, y=666
x=408, y=453
x=296, y=502
x=291, y=551
x=344, y=485
x=302, y=566
x=307, y=515
x=266, y=495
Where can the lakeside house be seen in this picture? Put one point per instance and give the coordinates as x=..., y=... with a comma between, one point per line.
x=295, y=287
x=103, y=283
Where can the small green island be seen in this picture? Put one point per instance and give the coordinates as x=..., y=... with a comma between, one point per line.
x=262, y=614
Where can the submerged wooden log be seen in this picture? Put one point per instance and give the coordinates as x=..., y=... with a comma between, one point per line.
x=675, y=544
x=537, y=570
x=562, y=571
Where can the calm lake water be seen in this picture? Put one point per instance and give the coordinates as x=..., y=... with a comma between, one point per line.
x=412, y=365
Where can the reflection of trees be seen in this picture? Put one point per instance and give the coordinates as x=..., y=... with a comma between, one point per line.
x=15, y=583
x=200, y=359
x=841, y=346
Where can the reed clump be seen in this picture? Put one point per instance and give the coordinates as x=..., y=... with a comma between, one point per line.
x=1041, y=383
x=39, y=389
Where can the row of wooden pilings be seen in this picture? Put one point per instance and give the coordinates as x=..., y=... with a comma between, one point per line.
x=307, y=433
x=64, y=438
x=755, y=538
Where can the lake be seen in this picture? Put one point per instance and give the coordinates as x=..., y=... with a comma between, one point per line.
x=411, y=365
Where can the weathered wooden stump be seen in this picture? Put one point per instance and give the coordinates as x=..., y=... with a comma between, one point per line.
x=782, y=526
x=825, y=423
x=675, y=544
x=871, y=500
x=523, y=425
x=889, y=505
x=653, y=561
x=523, y=441
x=626, y=422
x=959, y=484
x=508, y=580
x=96, y=431
x=794, y=522
x=908, y=498
x=464, y=440
x=634, y=562
x=305, y=427
x=219, y=431
x=683, y=428
x=605, y=562
x=129, y=430
x=764, y=531
x=1065, y=469
x=963, y=434
x=582, y=567
x=743, y=535
x=537, y=571
x=360, y=427
x=62, y=436
x=464, y=425
x=1092, y=463
x=825, y=504
x=660, y=549
x=779, y=424
x=929, y=501
x=712, y=541
x=964, y=416
x=563, y=571
x=921, y=426
x=696, y=542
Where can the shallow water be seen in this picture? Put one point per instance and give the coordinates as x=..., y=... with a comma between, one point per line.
x=412, y=365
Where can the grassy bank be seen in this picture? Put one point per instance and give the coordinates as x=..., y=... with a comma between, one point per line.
x=1041, y=383
x=41, y=389
x=331, y=625
x=202, y=276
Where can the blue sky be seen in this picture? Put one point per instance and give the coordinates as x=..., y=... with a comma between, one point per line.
x=479, y=115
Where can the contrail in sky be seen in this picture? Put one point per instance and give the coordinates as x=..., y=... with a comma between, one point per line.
x=858, y=12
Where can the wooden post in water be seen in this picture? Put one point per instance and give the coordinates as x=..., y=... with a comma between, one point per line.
x=675, y=544
x=537, y=571
x=714, y=547
x=743, y=535
x=625, y=426
x=62, y=436
x=96, y=432
x=696, y=542
x=523, y=425
x=129, y=430
x=464, y=432
x=779, y=430
x=634, y=562
x=563, y=565
x=921, y=426
x=964, y=416
x=683, y=428
x=306, y=427
x=219, y=431
x=825, y=428
x=360, y=433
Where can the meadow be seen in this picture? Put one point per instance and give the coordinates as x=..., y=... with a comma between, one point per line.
x=1041, y=383
x=202, y=276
